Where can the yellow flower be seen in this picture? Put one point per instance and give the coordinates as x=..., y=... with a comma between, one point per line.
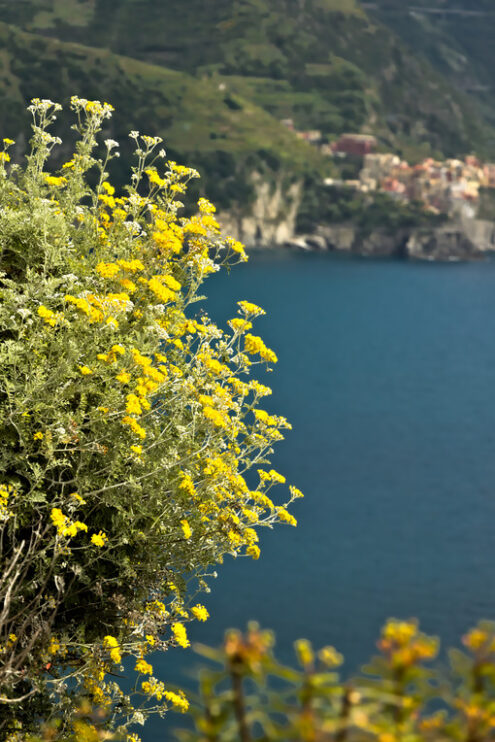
x=131, y=265
x=127, y=284
x=143, y=667
x=248, y=308
x=133, y=406
x=180, y=635
x=254, y=344
x=215, y=416
x=85, y=370
x=52, y=180
x=240, y=325
x=51, y=318
x=123, y=377
x=200, y=612
x=186, y=529
x=4, y=157
x=138, y=450
x=187, y=484
x=108, y=188
x=178, y=699
x=253, y=551
x=38, y=436
x=108, y=270
x=99, y=539
x=161, y=292
x=285, y=516
x=111, y=643
x=134, y=426
x=330, y=657
x=304, y=651
x=54, y=646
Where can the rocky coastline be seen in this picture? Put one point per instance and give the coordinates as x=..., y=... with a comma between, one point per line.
x=271, y=221
x=472, y=239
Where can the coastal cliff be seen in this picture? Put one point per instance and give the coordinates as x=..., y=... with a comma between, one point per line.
x=271, y=221
x=468, y=240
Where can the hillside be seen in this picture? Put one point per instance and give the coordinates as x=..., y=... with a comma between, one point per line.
x=457, y=37
x=325, y=63
x=223, y=135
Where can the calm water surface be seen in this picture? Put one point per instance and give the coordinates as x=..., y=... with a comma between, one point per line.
x=387, y=373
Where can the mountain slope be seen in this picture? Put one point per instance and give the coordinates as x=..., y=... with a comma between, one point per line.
x=324, y=63
x=457, y=36
x=223, y=135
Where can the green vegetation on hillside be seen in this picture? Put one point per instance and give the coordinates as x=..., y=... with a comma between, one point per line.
x=223, y=135
x=458, y=41
x=323, y=63
x=331, y=205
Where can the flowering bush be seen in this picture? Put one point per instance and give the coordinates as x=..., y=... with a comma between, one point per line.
x=128, y=423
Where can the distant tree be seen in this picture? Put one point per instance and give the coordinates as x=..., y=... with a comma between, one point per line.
x=127, y=424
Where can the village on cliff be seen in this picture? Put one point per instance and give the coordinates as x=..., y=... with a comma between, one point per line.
x=461, y=189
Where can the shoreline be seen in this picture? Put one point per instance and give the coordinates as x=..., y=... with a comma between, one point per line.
x=469, y=240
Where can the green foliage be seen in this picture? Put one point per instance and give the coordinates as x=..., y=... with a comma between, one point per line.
x=458, y=45
x=221, y=134
x=398, y=697
x=128, y=423
x=337, y=205
x=325, y=63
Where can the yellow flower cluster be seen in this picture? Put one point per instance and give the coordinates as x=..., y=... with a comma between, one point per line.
x=180, y=635
x=50, y=318
x=99, y=539
x=200, y=613
x=142, y=368
x=143, y=667
x=254, y=344
x=330, y=657
x=161, y=286
x=251, y=309
x=133, y=424
x=405, y=645
x=65, y=527
x=110, y=643
x=285, y=517
x=7, y=492
x=179, y=700
x=240, y=325
x=187, y=484
x=304, y=652
x=186, y=529
x=57, y=182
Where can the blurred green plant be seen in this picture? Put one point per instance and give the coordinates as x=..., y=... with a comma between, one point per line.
x=398, y=697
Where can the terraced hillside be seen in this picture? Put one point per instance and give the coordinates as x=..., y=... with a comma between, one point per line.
x=324, y=63
x=223, y=135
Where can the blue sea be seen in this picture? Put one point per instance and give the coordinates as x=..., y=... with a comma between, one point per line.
x=387, y=372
